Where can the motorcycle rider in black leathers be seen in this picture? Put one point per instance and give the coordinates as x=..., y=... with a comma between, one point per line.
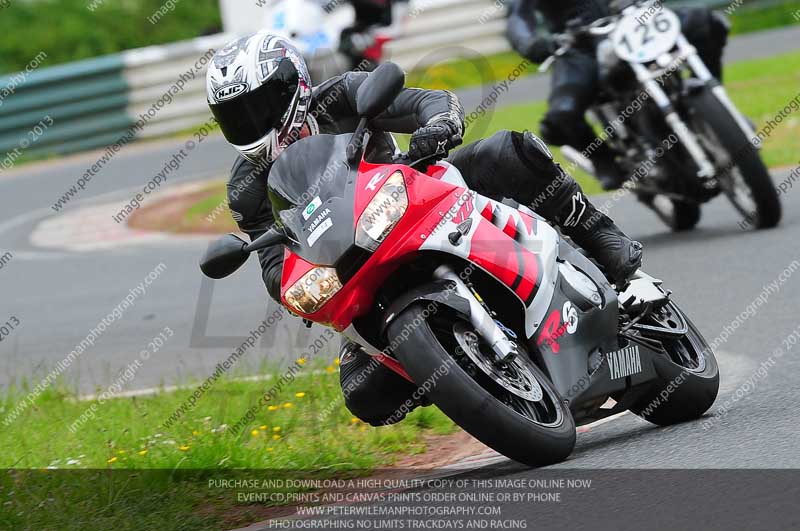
x=260, y=93
x=573, y=84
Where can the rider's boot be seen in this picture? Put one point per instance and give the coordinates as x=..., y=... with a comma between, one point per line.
x=594, y=231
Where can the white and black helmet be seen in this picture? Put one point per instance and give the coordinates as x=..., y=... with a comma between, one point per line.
x=259, y=91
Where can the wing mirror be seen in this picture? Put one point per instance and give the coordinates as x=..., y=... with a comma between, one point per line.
x=227, y=254
x=224, y=256
x=379, y=90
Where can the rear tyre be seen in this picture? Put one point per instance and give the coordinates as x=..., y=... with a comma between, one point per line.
x=439, y=351
x=747, y=182
x=688, y=374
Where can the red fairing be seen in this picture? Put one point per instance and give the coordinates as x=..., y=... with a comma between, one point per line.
x=436, y=171
x=427, y=197
x=294, y=267
x=511, y=227
x=507, y=260
x=530, y=223
x=370, y=179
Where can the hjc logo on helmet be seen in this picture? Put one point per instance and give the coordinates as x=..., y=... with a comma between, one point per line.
x=230, y=91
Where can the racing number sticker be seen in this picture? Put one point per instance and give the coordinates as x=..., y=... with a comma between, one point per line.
x=643, y=35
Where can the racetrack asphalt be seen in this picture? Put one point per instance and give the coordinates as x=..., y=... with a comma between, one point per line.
x=58, y=296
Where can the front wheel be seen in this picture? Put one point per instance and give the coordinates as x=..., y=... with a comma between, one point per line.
x=744, y=178
x=513, y=407
x=688, y=375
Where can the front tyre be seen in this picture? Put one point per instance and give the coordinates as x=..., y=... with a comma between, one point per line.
x=688, y=375
x=744, y=178
x=513, y=409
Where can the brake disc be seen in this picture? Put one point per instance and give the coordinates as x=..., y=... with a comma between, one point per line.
x=514, y=376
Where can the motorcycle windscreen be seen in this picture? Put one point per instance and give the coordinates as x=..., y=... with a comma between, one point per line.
x=311, y=187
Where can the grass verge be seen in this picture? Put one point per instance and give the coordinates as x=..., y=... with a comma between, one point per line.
x=201, y=211
x=463, y=73
x=306, y=428
x=752, y=18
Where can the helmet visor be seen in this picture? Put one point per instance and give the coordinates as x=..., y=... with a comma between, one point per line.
x=249, y=117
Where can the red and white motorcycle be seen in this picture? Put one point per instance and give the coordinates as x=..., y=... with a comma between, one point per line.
x=511, y=330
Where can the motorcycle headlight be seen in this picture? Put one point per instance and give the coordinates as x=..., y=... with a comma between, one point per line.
x=382, y=213
x=313, y=290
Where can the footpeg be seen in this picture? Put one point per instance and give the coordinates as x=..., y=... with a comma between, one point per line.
x=643, y=290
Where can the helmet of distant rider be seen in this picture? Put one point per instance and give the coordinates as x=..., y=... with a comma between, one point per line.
x=259, y=90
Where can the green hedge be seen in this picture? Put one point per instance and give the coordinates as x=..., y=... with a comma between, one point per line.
x=68, y=30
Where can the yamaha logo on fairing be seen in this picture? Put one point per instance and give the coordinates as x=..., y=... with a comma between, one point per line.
x=625, y=362
x=230, y=91
x=314, y=224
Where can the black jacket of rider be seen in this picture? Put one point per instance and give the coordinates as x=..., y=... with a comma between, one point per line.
x=523, y=27
x=333, y=108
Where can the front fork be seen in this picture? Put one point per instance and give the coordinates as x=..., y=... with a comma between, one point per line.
x=480, y=318
x=650, y=81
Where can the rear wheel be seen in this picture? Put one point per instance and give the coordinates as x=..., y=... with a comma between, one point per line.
x=510, y=407
x=745, y=179
x=688, y=374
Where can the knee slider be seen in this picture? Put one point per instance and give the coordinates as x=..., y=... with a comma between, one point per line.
x=532, y=147
x=366, y=403
x=373, y=392
x=535, y=154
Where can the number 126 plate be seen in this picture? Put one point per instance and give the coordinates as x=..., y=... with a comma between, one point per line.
x=645, y=34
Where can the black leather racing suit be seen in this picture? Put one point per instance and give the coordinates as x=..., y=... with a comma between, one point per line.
x=507, y=164
x=574, y=80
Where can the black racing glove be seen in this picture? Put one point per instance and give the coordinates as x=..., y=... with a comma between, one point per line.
x=540, y=48
x=432, y=138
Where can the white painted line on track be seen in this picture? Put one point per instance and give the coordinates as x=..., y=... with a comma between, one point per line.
x=27, y=217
